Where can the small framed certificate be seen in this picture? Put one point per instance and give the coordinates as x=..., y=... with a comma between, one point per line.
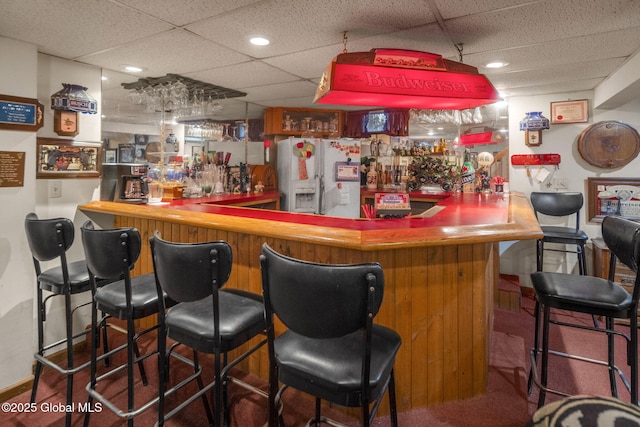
x=570, y=111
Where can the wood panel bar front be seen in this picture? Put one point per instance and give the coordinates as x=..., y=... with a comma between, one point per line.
x=438, y=296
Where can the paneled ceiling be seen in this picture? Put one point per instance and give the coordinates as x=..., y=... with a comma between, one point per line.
x=551, y=46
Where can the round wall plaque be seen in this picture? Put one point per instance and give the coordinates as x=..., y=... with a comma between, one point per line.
x=609, y=144
x=153, y=152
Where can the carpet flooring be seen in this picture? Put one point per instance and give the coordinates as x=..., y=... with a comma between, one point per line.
x=506, y=403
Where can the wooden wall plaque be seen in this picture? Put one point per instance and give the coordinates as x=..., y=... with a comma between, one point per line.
x=25, y=114
x=12, y=168
x=609, y=144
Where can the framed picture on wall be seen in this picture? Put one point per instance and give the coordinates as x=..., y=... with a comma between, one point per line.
x=111, y=155
x=613, y=196
x=126, y=153
x=141, y=139
x=58, y=158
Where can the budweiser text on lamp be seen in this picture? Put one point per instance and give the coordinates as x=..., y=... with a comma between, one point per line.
x=403, y=79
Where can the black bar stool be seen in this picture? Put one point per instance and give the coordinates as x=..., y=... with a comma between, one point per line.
x=597, y=297
x=111, y=254
x=207, y=319
x=331, y=348
x=560, y=205
x=50, y=239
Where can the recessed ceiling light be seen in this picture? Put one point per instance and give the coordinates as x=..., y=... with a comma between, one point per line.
x=133, y=69
x=259, y=41
x=496, y=64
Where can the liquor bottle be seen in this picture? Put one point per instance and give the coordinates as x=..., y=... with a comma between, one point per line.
x=468, y=174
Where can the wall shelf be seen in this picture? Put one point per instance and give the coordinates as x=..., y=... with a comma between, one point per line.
x=299, y=121
x=535, y=159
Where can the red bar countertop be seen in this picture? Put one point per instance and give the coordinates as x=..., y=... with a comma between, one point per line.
x=457, y=218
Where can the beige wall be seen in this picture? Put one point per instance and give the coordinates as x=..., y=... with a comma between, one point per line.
x=25, y=73
x=18, y=77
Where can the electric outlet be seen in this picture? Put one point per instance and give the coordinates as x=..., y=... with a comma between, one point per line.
x=560, y=183
x=55, y=189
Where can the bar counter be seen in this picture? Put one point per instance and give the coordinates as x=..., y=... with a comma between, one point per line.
x=441, y=272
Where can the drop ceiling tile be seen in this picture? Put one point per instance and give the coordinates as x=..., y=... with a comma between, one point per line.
x=307, y=64
x=175, y=51
x=282, y=90
x=425, y=38
x=312, y=63
x=575, y=78
x=456, y=8
x=246, y=74
x=93, y=25
x=615, y=44
x=307, y=24
x=570, y=18
x=526, y=89
x=293, y=102
x=565, y=73
x=184, y=12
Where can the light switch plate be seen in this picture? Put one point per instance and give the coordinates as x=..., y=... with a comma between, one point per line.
x=560, y=183
x=55, y=189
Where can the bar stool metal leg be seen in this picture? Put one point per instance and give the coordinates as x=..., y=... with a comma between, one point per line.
x=38, y=371
x=545, y=355
x=632, y=358
x=611, y=357
x=536, y=347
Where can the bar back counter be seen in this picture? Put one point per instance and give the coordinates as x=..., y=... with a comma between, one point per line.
x=441, y=272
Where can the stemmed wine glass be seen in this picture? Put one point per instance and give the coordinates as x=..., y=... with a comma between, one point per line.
x=213, y=106
x=226, y=136
x=234, y=136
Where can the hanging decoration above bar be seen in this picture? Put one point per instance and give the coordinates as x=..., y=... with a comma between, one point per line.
x=403, y=79
x=74, y=98
x=191, y=85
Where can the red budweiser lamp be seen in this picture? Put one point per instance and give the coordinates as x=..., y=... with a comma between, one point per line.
x=403, y=79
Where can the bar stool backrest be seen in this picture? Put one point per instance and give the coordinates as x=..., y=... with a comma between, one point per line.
x=321, y=300
x=557, y=204
x=622, y=236
x=189, y=271
x=102, y=246
x=48, y=238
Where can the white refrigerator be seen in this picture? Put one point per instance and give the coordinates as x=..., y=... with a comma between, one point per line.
x=320, y=176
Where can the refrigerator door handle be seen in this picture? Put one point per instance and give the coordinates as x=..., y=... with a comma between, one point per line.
x=321, y=195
